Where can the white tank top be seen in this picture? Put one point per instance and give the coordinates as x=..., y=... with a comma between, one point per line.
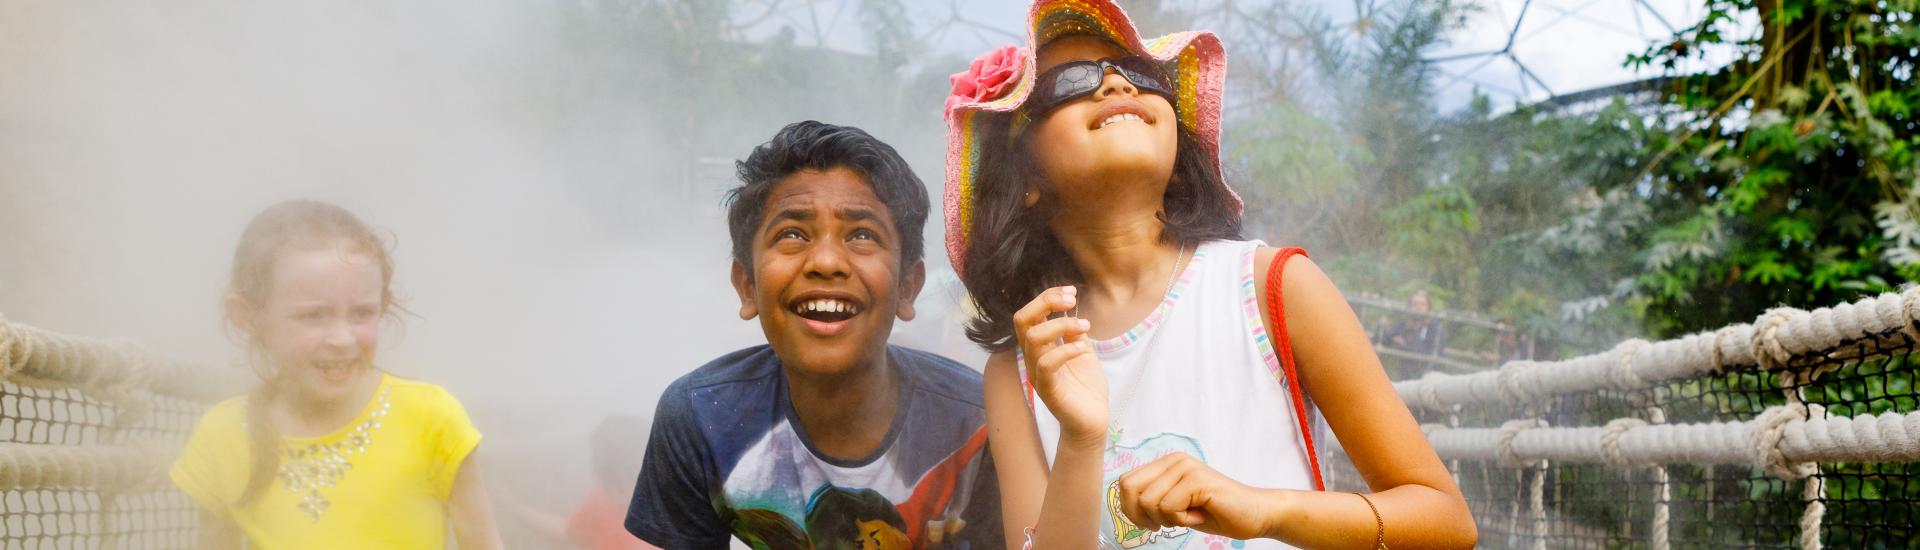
x=1199, y=376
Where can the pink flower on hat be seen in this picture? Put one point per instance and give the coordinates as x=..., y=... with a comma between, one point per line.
x=989, y=77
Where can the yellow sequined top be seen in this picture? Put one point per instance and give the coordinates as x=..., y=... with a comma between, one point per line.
x=381, y=481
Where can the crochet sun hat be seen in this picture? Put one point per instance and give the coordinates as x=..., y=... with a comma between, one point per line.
x=999, y=81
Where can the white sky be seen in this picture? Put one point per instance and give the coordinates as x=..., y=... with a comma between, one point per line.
x=1570, y=45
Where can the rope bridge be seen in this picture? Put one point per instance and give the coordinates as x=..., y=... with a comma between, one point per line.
x=87, y=430
x=1799, y=430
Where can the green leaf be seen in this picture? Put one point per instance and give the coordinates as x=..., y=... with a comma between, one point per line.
x=1787, y=14
x=1794, y=97
x=1830, y=271
x=1886, y=102
x=1769, y=272
x=1742, y=197
x=1792, y=229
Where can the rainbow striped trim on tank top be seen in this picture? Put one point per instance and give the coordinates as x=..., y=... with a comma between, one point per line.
x=1145, y=327
x=1250, y=302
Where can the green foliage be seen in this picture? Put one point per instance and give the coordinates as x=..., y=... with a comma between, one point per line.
x=1293, y=154
x=1438, y=225
x=1824, y=89
x=1786, y=177
x=1507, y=214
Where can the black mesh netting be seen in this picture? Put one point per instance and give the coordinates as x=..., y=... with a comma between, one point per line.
x=42, y=515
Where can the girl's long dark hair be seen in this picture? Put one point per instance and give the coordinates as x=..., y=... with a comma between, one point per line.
x=1013, y=254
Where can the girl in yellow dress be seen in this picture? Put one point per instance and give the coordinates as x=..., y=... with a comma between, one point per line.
x=329, y=451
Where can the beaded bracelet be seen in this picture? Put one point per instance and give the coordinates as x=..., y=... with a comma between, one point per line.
x=1379, y=526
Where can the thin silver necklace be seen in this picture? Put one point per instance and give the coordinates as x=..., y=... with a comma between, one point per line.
x=1114, y=431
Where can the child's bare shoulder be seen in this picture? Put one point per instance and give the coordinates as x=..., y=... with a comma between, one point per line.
x=1300, y=275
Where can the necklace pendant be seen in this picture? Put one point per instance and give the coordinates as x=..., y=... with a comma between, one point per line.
x=1114, y=432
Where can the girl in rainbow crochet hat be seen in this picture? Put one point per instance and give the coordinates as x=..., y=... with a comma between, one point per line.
x=1156, y=380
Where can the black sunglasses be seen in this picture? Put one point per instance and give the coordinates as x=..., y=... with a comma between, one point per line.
x=1073, y=80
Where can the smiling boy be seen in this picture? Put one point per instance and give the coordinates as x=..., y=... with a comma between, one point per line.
x=825, y=437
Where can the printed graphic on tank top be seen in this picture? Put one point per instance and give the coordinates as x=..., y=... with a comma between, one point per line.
x=1199, y=376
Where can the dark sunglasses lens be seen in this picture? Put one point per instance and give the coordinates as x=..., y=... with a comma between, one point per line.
x=1067, y=82
x=1070, y=81
x=1144, y=74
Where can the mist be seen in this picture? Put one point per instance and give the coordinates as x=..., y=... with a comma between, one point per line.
x=550, y=174
x=557, y=263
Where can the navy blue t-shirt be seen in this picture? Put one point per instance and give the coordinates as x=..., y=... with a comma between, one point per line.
x=728, y=457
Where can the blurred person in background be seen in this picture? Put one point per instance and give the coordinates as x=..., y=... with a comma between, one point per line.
x=618, y=445
x=330, y=450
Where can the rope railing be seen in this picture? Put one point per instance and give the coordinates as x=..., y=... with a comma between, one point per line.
x=87, y=429
x=48, y=358
x=1768, y=344
x=1782, y=438
x=114, y=467
x=1798, y=430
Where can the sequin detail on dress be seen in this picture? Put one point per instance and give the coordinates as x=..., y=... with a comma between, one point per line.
x=307, y=471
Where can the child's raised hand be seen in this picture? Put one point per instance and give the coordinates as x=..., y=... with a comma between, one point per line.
x=1062, y=367
x=1179, y=490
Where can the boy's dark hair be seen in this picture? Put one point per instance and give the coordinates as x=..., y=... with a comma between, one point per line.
x=813, y=145
x=1015, y=256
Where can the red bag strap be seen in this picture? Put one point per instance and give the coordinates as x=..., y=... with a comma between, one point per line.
x=1284, y=348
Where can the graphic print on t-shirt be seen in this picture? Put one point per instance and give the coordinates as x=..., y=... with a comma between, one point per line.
x=1121, y=459
x=836, y=518
x=782, y=495
x=728, y=458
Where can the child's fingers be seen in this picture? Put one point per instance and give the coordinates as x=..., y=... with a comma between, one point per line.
x=1161, y=492
x=1050, y=301
x=1064, y=328
x=1159, y=498
x=1034, y=315
x=1175, y=504
x=1053, y=359
x=1034, y=349
x=1189, y=518
x=1141, y=510
x=1137, y=478
x=1131, y=483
